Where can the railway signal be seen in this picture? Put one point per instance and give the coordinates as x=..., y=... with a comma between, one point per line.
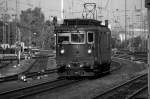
x=147, y=5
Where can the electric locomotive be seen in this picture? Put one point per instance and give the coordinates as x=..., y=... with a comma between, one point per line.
x=83, y=48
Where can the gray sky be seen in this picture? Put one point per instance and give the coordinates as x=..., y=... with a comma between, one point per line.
x=53, y=7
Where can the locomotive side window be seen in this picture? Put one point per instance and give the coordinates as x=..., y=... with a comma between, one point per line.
x=77, y=38
x=64, y=38
x=90, y=37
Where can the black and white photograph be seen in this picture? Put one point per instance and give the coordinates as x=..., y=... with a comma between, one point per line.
x=74, y=49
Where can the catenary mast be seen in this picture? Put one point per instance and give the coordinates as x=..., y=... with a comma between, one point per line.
x=147, y=5
x=62, y=9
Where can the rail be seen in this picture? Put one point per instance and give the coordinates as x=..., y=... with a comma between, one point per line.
x=31, y=90
x=113, y=89
x=145, y=87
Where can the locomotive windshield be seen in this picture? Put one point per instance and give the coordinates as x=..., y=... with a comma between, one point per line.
x=77, y=38
x=64, y=38
x=71, y=38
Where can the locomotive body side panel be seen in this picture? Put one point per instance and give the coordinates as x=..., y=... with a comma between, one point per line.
x=105, y=46
x=102, y=49
x=98, y=58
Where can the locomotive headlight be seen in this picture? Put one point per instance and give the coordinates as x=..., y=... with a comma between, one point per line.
x=68, y=65
x=81, y=65
x=62, y=51
x=89, y=51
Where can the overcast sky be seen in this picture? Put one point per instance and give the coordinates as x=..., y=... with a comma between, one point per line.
x=52, y=7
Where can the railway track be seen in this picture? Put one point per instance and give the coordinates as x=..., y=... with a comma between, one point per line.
x=27, y=75
x=38, y=62
x=132, y=57
x=42, y=87
x=135, y=94
x=3, y=65
x=125, y=90
x=39, y=73
x=31, y=90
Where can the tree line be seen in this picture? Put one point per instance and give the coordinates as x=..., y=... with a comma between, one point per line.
x=35, y=30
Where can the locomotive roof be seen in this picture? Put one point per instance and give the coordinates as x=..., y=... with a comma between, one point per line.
x=85, y=24
x=70, y=22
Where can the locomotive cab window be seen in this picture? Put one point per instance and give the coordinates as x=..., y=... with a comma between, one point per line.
x=90, y=37
x=64, y=38
x=77, y=38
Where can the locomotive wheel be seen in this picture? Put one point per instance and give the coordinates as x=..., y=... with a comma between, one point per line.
x=61, y=70
x=97, y=72
x=101, y=70
x=108, y=68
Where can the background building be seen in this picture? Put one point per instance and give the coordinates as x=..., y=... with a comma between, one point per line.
x=7, y=32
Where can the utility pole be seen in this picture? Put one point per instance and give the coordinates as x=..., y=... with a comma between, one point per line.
x=4, y=15
x=132, y=27
x=19, y=35
x=7, y=26
x=62, y=9
x=147, y=5
x=4, y=40
x=125, y=22
x=72, y=8
x=141, y=18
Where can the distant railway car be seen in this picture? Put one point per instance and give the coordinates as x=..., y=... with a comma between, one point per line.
x=7, y=53
x=35, y=51
x=140, y=49
x=83, y=48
